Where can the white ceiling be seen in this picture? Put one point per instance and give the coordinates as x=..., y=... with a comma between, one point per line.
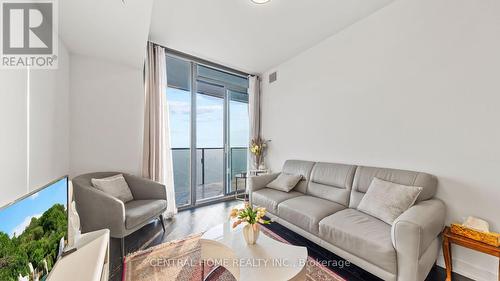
x=250, y=37
x=235, y=33
x=108, y=29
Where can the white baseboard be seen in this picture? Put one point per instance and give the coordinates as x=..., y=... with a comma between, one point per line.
x=469, y=270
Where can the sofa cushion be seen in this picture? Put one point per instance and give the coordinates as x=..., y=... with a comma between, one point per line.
x=285, y=182
x=362, y=235
x=140, y=211
x=386, y=200
x=332, y=182
x=364, y=177
x=270, y=198
x=299, y=167
x=306, y=211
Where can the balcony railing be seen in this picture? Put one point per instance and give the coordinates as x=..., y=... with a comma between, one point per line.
x=209, y=171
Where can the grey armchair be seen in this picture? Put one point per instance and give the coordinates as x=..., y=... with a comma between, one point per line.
x=98, y=210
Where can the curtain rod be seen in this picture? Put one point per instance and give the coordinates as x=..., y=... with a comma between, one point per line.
x=205, y=62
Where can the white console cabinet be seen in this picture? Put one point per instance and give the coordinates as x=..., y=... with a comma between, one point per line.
x=90, y=262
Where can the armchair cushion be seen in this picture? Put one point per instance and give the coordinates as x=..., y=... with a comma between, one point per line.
x=139, y=211
x=115, y=186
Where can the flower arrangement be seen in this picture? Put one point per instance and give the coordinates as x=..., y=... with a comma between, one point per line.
x=253, y=217
x=257, y=148
x=249, y=215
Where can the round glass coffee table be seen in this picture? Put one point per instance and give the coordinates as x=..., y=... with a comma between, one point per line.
x=268, y=259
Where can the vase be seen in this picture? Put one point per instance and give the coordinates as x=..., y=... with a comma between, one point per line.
x=251, y=233
x=257, y=162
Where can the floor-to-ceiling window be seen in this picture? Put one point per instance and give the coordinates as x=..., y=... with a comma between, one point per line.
x=208, y=109
x=179, y=102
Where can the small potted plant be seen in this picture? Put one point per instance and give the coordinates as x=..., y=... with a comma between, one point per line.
x=253, y=217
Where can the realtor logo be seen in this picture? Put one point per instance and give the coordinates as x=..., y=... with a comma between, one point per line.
x=28, y=34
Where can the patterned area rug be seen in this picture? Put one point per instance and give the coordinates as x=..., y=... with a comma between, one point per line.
x=180, y=261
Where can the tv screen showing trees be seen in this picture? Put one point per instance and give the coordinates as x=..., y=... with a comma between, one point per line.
x=33, y=232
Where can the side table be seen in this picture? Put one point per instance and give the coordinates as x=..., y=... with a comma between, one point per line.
x=237, y=178
x=258, y=172
x=451, y=238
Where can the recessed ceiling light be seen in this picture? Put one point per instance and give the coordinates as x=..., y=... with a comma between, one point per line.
x=260, y=1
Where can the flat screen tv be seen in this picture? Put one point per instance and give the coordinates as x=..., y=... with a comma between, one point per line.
x=33, y=232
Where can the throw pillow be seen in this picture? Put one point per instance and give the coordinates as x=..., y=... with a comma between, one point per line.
x=387, y=200
x=285, y=182
x=115, y=186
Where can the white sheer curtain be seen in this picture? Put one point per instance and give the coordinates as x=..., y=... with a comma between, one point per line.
x=253, y=113
x=157, y=157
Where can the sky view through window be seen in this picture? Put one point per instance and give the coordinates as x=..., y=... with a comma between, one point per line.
x=210, y=114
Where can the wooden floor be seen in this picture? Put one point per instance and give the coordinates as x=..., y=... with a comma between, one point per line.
x=198, y=220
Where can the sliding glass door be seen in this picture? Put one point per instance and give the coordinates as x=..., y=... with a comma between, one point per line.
x=208, y=111
x=210, y=140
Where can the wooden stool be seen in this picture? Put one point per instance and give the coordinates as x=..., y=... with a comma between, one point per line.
x=449, y=238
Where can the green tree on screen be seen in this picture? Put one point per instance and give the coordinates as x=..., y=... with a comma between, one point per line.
x=39, y=241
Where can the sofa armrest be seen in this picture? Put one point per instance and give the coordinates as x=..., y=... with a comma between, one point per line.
x=145, y=189
x=99, y=210
x=259, y=182
x=412, y=233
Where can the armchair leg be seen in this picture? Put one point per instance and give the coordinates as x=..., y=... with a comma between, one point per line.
x=122, y=246
x=162, y=223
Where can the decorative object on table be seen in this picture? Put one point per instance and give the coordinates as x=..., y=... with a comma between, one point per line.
x=449, y=237
x=476, y=229
x=258, y=149
x=477, y=224
x=74, y=231
x=253, y=217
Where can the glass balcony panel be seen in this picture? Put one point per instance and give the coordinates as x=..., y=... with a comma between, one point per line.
x=179, y=111
x=238, y=137
x=209, y=141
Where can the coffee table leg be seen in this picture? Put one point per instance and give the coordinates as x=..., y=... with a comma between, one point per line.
x=447, y=257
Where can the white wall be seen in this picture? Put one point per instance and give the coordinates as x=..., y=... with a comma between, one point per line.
x=46, y=141
x=414, y=86
x=49, y=122
x=13, y=135
x=107, y=116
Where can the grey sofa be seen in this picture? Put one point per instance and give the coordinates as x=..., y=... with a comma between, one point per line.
x=322, y=208
x=98, y=210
